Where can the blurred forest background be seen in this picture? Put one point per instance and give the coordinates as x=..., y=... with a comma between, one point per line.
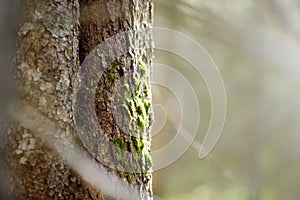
x=256, y=46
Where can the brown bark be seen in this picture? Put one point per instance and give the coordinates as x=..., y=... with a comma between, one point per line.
x=47, y=59
x=47, y=62
x=122, y=97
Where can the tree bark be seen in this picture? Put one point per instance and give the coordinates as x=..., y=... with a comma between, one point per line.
x=47, y=60
x=123, y=100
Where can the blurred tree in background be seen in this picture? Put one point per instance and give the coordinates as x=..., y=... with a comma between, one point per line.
x=255, y=44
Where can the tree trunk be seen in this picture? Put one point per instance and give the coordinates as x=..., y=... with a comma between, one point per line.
x=49, y=45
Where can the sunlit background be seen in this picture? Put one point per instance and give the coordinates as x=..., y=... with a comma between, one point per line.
x=256, y=46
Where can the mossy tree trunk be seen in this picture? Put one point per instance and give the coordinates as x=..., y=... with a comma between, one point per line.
x=54, y=39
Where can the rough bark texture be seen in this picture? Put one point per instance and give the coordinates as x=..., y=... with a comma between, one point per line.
x=122, y=98
x=47, y=61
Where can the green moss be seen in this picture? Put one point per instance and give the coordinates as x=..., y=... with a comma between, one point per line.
x=142, y=176
x=140, y=107
x=112, y=75
x=69, y=50
x=99, y=38
x=112, y=78
x=142, y=65
x=147, y=106
x=131, y=108
x=137, y=108
x=139, y=144
x=146, y=91
x=129, y=176
x=137, y=91
x=140, y=122
x=119, y=143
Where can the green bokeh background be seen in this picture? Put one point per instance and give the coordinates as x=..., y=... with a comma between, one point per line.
x=256, y=45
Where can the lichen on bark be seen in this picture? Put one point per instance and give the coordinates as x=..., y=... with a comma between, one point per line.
x=122, y=97
x=46, y=59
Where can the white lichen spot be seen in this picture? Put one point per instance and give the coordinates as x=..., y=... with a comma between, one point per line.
x=62, y=115
x=23, y=66
x=42, y=101
x=23, y=160
x=45, y=86
x=29, y=74
x=25, y=29
x=73, y=179
x=23, y=146
x=50, y=115
x=18, y=151
x=37, y=15
x=26, y=134
x=64, y=82
x=32, y=142
x=36, y=75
